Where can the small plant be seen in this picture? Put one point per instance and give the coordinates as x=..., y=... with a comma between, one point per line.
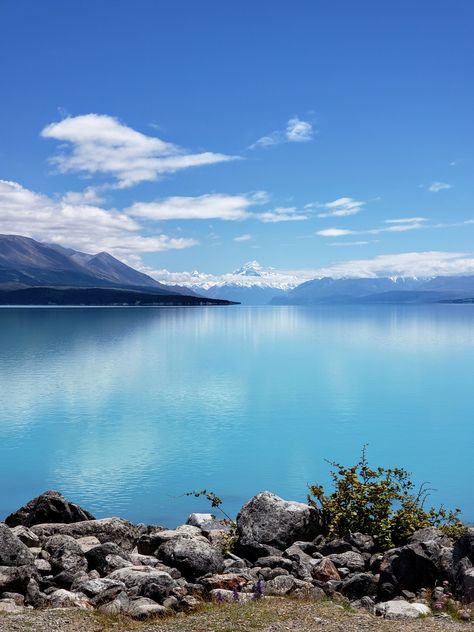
x=230, y=538
x=380, y=502
x=215, y=501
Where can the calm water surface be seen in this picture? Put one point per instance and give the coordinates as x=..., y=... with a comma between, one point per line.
x=124, y=410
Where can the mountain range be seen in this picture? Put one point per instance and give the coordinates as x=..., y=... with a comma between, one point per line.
x=252, y=284
x=32, y=272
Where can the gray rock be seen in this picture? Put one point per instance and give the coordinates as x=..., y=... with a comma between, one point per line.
x=43, y=566
x=98, y=557
x=95, y=587
x=193, y=557
x=144, y=608
x=464, y=547
x=119, y=605
x=467, y=586
x=48, y=507
x=148, y=543
x=10, y=606
x=138, y=578
x=12, y=551
x=16, y=578
x=66, y=554
x=360, y=585
x=66, y=599
x=410, y=567
x=117, y=530
x=268, y=519
x=399, y=609
x=26, y=536
x=281, y=585
x=188, y=603
x=335, y=547
x=229, y=596
x=361, y=542
x=430, y=534
x=350, y=559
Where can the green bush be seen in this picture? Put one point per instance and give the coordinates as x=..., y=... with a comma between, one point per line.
x=380, y=502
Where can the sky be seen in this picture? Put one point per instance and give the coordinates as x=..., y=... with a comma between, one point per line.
x=197, y=135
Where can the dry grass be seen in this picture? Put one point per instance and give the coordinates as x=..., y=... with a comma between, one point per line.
x=272, y=615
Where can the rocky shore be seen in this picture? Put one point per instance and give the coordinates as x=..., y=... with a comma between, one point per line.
x=55, y=554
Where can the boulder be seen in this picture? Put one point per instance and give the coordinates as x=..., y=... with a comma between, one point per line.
x=66, y=599
x=48, y=507
x=10, y=606
x=334, y=547
x=281, y=585
x=117, y=530
x=138, y=579
x=430, y=534
x=350, y=559
x=98, y=557
x=12, y=551
x=15, y=578
x=325, y=571
x=26, y=536
x=66, y=554
x=466, y=586
x=227, y=581
x=401, y=610
x=193, y=557
x=410, y=567
x=144, y=608
x=361, y=542
x=229, y=596
x=148, y=543
x=268, y=519
x=252, y=550
x=464, y=547
x=360, y=585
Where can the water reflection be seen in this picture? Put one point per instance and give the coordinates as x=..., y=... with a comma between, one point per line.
x=126, y=409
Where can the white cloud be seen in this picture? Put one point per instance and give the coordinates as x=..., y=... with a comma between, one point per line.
x=297, y=131
x=335, y=232
x=281, y=214
x=82, y=226
x=394, y=226
x=406, y=220
x=245, y=237
x=349, y=243
x=101, y=144
x=214, y=206
x=435, y=187
x=342, y=207
x=419, y=264
x=208, y=206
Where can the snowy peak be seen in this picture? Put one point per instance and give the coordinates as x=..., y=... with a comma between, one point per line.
x=250, y=269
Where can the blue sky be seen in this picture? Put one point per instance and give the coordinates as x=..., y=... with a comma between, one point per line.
x=201, y=134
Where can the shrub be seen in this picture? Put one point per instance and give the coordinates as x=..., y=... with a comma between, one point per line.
x=380, y=502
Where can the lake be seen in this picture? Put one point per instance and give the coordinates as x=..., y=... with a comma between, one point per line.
x=125, y=409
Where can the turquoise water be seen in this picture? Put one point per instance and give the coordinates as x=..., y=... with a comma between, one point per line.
x=124, y=410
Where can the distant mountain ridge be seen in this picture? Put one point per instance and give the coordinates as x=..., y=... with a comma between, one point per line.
x=379, y=290
x=253, y=284
x=25, y=262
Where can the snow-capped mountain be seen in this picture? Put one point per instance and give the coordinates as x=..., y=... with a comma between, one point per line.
x=254, y=284
x=251, y=284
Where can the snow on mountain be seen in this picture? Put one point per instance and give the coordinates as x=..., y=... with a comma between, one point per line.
x=251, y=274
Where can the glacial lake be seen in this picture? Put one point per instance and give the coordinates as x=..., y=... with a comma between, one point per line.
x=125, y=409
